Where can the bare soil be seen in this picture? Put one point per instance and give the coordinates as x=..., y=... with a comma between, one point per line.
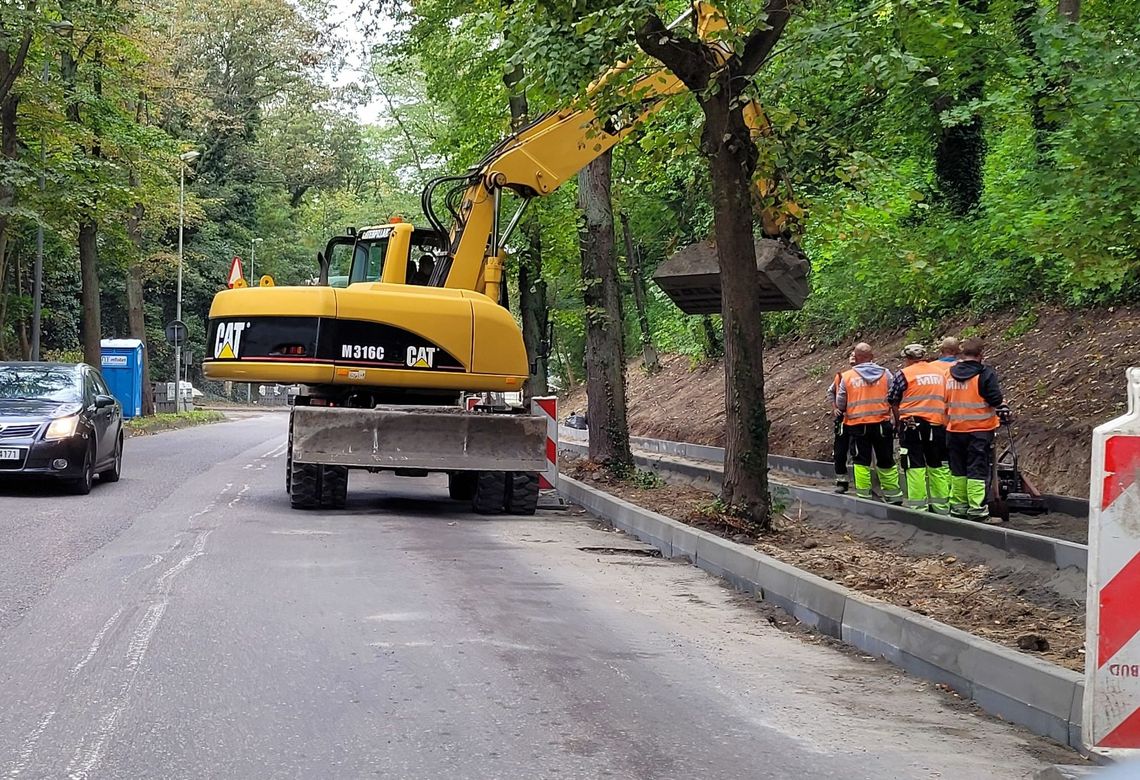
x=1022, y=604
x=1062, y=371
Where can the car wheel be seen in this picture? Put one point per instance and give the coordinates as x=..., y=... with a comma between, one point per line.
x=81, y=485
x=112, y=474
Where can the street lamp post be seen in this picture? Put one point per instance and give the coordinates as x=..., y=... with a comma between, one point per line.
x=252, y=278
x=184, y=158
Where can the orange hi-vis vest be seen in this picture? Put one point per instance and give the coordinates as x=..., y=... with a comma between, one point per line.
x=866, y=401
x=966, y=409
x=925, y=394
x=943, y=366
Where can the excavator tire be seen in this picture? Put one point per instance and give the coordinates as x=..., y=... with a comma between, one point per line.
x=334, y=487
x=289, y=458
x=490, y=492
x=522, y=492
x=461, y=485
x=305, y=480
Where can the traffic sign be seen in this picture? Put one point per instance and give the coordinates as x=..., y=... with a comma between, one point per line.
x=176, y=333
x=235, y=273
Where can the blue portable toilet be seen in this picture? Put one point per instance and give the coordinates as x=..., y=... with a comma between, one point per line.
x=121, y=363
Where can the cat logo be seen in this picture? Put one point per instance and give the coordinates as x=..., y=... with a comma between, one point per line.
x=421, y=357
x=227, y=344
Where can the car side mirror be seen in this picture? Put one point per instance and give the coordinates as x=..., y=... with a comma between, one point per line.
x=103, y=401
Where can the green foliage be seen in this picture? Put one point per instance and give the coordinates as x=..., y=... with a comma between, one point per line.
x=858, y=97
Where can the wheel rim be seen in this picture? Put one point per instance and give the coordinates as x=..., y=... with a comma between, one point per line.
x=119, y=458
x=88, y=470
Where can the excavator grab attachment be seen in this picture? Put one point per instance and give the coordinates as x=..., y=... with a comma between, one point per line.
x=691, y=277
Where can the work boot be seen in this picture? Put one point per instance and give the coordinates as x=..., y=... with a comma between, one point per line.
x=982, y=515
x=841, y=486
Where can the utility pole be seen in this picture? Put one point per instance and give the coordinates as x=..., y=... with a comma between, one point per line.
x=648, y=351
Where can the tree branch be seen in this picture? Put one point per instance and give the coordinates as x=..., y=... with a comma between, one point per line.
x=760, y=43
x=688, y=59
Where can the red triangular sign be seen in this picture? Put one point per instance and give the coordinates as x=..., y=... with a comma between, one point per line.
x=235, y=272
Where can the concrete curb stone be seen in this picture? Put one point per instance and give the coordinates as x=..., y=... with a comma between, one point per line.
x=1024, y=690
x=814, y=469
x=1059, y=552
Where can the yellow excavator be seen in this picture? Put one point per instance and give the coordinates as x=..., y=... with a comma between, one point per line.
x=404, y=319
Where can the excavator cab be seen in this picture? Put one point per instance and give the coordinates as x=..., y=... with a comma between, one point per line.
x=397, y=253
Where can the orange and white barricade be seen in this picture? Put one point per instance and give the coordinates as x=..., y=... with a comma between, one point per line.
x=1111, y=721
x=547, y=406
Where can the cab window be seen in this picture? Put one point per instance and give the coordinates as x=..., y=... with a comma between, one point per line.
x=368, y=260
x=340, y=263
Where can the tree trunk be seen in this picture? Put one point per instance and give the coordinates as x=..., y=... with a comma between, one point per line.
x=136, y=310
x=960, y=150
x=733, y=159
x=567, y=368
x=1069, y=10
x=711, y=342
x=601, y=294
x=89, y=289
x=532, y=289
x=10, y=152
x=533, y=310
x=648, y=351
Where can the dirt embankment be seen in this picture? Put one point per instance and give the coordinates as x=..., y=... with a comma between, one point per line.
x=1062, y=372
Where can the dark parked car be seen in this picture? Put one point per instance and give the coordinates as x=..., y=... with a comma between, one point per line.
x=59, y=420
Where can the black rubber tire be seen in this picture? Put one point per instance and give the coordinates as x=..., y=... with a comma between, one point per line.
x=112, y=474
x=289, y=457
x=81, y=486
x=461, y=485
x=522, y=493
x=306, y=486
x=334, y=487
x=490, y=492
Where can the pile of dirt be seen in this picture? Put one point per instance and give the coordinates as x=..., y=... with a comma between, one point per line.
x=1022, y=604
x=1062, y=372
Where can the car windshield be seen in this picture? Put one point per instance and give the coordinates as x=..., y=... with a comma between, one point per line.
x=39, y=382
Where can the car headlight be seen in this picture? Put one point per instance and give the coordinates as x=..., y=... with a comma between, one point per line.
x=62, y=427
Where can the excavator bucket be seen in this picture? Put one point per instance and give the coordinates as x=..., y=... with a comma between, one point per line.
x=691, y=277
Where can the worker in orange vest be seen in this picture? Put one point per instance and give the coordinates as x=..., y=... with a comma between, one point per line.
x=950, y=352
x=918, y=402
x=862, y=397
x=975, y=408
x=842, y=441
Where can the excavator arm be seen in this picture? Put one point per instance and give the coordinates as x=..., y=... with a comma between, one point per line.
x=543, y=155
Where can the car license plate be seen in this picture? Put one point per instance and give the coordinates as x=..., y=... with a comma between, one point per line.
x=10, y=454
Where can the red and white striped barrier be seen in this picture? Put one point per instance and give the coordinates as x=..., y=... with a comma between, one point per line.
x=548, y=406
x=1112, y=648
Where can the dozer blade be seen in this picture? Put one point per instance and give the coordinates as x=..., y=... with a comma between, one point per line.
x=432, y=438
x=691, y=277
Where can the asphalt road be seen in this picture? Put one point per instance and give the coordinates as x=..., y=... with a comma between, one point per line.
x=186, y=623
